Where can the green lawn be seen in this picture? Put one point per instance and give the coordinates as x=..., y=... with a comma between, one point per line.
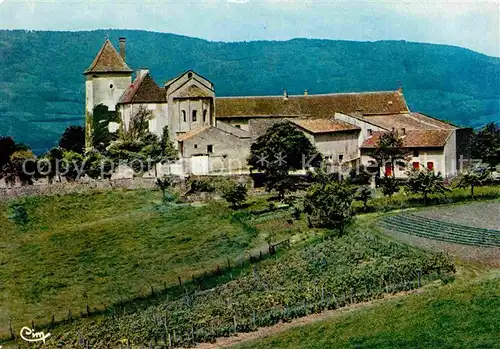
x=458, y=315
x=100, y=247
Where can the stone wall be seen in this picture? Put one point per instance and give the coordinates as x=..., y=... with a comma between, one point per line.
x=7, y=193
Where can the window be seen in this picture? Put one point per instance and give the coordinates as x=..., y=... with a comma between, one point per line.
x=415, y=153
x=430, y=165
x=196, y=146
x=210, y=148
x=110, y=85
x=237, y=126
x=184, y=115
x=388, y=170
x=341, y=157
x=416, y=165
x=194, y=115
x=370, y=132
x=204, y=115
x=190, y=75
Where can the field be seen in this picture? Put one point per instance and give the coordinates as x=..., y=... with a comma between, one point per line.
x=106, y=246
x=115, y=259
x=463, y=314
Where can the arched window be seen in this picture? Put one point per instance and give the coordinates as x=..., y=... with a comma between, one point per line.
x=204, y=115
x=194, y=115
x=184, y=115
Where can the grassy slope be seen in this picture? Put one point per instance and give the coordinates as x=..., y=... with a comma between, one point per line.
x=99, y=247
x=459, y=315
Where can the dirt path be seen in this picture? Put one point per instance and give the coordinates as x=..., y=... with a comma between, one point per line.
x=264, y=332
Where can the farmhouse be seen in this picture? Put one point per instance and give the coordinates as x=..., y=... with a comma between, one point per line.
x=214, y=134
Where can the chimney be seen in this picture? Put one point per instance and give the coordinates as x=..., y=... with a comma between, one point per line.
x=306, y=93
x=285, y=94
x=122, y=48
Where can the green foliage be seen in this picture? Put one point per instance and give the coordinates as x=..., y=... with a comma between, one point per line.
x=235, y=194
x=164, y=184
x=485, y=144
x=72, y=166
x=283, y=148
x=73, y=139
x=469, y=310
x=390, y=151
x=96, y=165
x=17, y=162
x=167, y=146
x=50, y=164
x=364, y=194
x=301, y=281
x=425, y=182
x=101, y=117
x=18, y=214
x=330, y=205
x=473, y=178
x=389, y=185
x=359, y=176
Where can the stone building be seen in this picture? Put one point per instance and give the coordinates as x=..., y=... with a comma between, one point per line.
x=214, y=134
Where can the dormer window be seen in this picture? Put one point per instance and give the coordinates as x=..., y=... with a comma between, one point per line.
x=194, y=115
x=184, y=115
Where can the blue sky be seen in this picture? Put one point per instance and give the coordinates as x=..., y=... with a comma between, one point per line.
x=470, y=24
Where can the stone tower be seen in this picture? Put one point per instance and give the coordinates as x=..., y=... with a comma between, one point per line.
x=107, y=77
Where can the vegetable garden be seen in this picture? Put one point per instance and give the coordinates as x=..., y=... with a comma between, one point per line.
x=326, y=275
x=439, y=230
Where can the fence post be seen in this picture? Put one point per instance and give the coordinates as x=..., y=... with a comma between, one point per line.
x=235, y=324
x=88, y=310
x=180, y=281
x=419, y=276
x=352, y=295
x=323, y=296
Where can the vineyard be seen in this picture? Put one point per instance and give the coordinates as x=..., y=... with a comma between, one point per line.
x=439, y=230
x=325, y=275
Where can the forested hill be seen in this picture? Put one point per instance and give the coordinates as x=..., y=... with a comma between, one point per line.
x=42, y=87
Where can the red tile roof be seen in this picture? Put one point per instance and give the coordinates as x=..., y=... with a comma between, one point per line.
x=317, y=106
x=107, y=60
x=143, y=90
x=414, y=139
x=192, y=133
x=324, y=125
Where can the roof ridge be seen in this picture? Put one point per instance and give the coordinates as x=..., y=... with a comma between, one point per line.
x=311, y=95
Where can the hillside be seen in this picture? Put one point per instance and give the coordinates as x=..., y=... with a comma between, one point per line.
x=42, y=89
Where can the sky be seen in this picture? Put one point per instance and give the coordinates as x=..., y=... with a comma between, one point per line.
x=471, y=24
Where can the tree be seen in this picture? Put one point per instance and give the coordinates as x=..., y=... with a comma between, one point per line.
x=97, y=165
x=473, y=178
x=389, y=185
x=485, y=144
x=100, y=135
x=359, y=176
x=167, y=146
x=235, y=194
x=364, y=194
x=73, y=139
x=17, y=162
x=49, y=163
x=425, y=182
x=330, y=205
x=72, y=166
x=164, y=183
x=390, y=150
x=280, y=150
x=138, y=126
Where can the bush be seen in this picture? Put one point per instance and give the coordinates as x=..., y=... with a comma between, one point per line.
x=18, y=214
x=235, y=194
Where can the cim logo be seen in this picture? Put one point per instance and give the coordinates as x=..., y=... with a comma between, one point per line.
x=29, y=335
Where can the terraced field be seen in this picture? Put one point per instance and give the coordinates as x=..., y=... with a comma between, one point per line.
x=440, y=230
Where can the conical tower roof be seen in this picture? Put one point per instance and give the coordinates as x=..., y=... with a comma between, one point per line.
x=107, y=60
